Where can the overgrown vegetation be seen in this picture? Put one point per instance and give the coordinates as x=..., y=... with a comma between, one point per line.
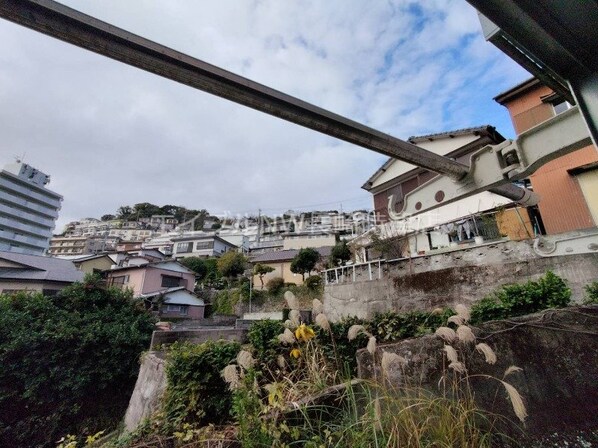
x=518, y=299
x=197, y=394
x=278, y=381
x=591, y=293
x=68, y=362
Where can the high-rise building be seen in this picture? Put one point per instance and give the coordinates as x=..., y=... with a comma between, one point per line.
x=28, y=210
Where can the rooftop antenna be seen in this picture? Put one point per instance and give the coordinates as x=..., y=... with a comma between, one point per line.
x=20, y=159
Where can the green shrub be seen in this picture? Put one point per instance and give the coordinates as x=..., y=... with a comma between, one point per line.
x=314, y=283
x=263, y=338
x=275, y=285
x=224, y=302
x=68, y=362
x=196, y=394
x=549, y=291
x=592, y=293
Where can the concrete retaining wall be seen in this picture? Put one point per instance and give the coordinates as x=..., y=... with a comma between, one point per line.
x=557, y=350
x=459, y=276
x=149, y=388
x=197, y=336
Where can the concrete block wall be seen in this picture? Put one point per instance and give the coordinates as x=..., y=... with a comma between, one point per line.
x=458, y=276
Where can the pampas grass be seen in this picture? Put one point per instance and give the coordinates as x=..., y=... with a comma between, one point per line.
x=231, y=376
x=295, y=318
x=291, y=300
x=245, y=360
x=516, y=401
x=451, y=353
x=463, y=312
x=446, y=333
x=355, y=330
x=456, y=319
x=458, y=366
x=391, y=361
x=317, y=307
x=371, y=347
x=511, y=369
x=465, y=334
x=487, y=352
x=287, y=337
x=322, y=321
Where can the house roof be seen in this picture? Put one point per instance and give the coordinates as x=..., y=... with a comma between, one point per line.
x=480, y=131
x=517, y=90
x=168, y=265
x=202, y=238
x=176, y=296
x=36, y=267
x=287, y=255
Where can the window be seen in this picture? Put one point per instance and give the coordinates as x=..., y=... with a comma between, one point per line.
x=201, y=245
x=180, y=309
x=120, y=281
x=182, y=248
x=561, y=107
x=168, y=281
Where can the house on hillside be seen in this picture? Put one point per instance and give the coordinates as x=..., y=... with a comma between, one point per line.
x=157, y=283
x=200, y=245
x=90, y=264
x=568, y=185
x=484, y=216
x=35, y=273
x=280, y=261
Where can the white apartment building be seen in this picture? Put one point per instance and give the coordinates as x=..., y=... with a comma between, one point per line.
x=28, y=210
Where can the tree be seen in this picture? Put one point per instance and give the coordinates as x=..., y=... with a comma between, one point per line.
x=305, y=261
x=231, y=264
x=197, y=265
x=340, y=254
x=124, y=212
x=107, y=217
x=69, y=362
x=260, y=270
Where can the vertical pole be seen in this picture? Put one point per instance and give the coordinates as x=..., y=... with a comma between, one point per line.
x=379, y=269
x=370, y=270
x=353, y=273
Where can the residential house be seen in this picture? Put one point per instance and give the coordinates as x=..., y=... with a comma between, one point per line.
x=176, y=303
x=568, y=185
x=28, y=209
x=90, y=263
x=35, y=273
x=199, y=244
x=280, y=261
x=301, y=240
x=452, y=224
x=162, y=284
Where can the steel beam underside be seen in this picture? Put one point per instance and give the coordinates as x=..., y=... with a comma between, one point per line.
x=64, y=23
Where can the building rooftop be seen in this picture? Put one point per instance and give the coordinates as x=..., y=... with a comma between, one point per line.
x=36, y=267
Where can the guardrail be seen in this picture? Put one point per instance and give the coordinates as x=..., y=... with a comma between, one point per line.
x=371, y=270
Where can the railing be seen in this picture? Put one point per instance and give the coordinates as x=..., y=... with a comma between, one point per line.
x=372, y=270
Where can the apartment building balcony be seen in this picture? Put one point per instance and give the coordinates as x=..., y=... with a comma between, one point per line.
x=26, y=216
x=17, y=226
x=49, y=199
x=30, y=206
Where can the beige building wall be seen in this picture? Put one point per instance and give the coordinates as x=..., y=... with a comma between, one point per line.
x=588, y=182
x=88, y=266
x=308, y=241
x=281, y=269
x=8, y=286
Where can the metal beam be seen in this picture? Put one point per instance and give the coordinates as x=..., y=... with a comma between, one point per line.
x=69, y=25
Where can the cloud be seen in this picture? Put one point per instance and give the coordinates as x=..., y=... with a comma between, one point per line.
x=110, y=134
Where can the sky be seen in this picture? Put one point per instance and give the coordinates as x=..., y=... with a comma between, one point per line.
x=111, y=135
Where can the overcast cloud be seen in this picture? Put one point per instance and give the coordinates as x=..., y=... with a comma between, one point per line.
x=110, y=134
